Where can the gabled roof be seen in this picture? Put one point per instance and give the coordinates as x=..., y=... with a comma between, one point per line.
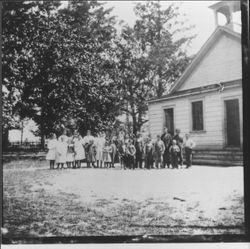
x=197, y=90
x=204, y=49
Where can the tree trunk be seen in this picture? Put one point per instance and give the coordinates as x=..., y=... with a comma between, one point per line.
x=134, y=124
x=42, y=130
x=160, y=89
x=5, y=137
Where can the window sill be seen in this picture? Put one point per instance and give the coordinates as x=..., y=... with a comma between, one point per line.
x=198, y=132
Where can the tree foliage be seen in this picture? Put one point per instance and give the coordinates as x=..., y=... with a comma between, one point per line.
x=150, y=57
x=70, y=66
x=63, y=73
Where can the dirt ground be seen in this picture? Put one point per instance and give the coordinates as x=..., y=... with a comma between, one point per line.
x=80, y=202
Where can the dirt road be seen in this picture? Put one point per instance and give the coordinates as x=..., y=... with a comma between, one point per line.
x=79, y=202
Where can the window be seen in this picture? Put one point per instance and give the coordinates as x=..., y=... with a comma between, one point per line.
x=197, y=116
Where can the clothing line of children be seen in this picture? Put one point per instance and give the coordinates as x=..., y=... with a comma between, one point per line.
x=130, y=153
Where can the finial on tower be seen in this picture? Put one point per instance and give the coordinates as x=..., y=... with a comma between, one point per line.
x=227, y=8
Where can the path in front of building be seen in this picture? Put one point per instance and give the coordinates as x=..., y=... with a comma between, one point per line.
x=80, y=202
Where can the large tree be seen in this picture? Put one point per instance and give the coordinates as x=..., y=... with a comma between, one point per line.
x=92, y=35
x=15, y=16
x=64, y=71
x=150, y=57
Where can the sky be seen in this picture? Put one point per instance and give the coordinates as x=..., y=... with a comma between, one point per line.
x=197, y=13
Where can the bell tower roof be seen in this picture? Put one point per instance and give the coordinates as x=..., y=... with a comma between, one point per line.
x=223, y=6
x=227, y=8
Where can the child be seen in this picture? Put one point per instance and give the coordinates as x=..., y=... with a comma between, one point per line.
x=120, y=152
x=79, y=151
x=189, y=144
x=100, y=142
x=159, y=149
x=61, y=151
x=107, y=150
x=139, y=151
x=70, y=153
x=125, y=154
x=113, y=153
x=91, y=156
x=174, y=152
x=51, y=155
x=148, y=152
x=179, y=142
x=131, y=155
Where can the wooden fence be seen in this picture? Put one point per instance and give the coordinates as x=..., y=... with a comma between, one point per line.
x=29, y=146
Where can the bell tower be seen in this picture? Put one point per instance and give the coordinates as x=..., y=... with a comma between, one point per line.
x=227, y=8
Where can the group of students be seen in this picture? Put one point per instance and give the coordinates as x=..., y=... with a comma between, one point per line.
x=71, y=151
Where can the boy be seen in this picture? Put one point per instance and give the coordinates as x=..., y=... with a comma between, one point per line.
x=148, y=151
x=179, y=142
x=159, y=149
x=174, y=152
x=167, y=139
x=139, y=151
x=189, y=144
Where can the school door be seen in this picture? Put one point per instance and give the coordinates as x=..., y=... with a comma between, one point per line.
x=169, y=120
x=232, y=123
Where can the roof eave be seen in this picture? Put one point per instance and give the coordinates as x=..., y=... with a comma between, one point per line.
x=194, y=92
x=201, y=52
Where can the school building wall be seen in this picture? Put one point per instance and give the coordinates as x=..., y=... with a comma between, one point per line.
x=221, y=63
x=213, y=136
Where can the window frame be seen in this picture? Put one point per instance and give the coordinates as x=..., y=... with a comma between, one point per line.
x=193, y=100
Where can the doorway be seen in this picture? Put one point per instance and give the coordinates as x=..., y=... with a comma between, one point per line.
x=169, y=120
x=232, y=123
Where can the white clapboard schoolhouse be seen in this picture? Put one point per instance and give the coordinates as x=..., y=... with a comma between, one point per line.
x=206, y=101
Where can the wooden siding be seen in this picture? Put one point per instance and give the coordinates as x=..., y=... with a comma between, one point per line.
x=222, y=63
x=213, y=135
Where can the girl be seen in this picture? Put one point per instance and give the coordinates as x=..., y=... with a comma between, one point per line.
x=100, y=142
x=61, y=152
x=79, y=151
x=107, y=150
x=91, y=156
x=51, y=155
x=70, y=153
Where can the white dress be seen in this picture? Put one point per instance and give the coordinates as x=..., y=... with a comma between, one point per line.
x=100, y=142
x=61, y=152
x=87, y=138
x=70, y=152
x=107, y=150
x=79, y=150
x=70, y=157
x=51, y=155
